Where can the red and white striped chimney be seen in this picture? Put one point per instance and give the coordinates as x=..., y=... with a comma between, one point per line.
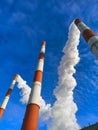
x=30, y=121
x=89, y=36
x=7, y=96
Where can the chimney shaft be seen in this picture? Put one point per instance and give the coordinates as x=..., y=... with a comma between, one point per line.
x=89, y=36
x=7, y=96
x=30, y=121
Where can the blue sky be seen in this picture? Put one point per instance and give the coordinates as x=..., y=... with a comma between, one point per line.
x=23, y=26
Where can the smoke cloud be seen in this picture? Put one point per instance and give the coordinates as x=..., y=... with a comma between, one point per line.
x=64, y=109
x=45, y=111
x=25, y=92
x=62, y=114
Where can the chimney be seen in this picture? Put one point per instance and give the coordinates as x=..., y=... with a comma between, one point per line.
x=7, y=96
x=30, y=121
x=89, y=36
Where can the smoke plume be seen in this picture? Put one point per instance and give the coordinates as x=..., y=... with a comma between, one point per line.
x=25, y=92
x=64, y=109
x=62, y=114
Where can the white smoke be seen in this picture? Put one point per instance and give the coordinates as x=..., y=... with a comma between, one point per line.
x=45, y=111
x=62, y=114
x=25, y=92
x=64, y=109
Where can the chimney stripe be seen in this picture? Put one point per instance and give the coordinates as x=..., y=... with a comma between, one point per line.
x=5, y=101
x=12, y=84
x=1, y=112
x=43, y=49
x=77, y=21
x=35, y=94
x=87, y=34
x=82, y=27
x=9, y=92
x=40, y=65
x=16, y=76
x=32, y=113
x=38, y=76
x=41, y=56
x=92, y=41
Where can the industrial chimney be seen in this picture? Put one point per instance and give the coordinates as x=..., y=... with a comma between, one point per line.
x=30, y=121
x=89, y=36
x=7, y=96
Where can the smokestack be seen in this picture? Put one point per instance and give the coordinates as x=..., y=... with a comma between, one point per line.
x=7, y=96
x=89, y=36
x=30, y=121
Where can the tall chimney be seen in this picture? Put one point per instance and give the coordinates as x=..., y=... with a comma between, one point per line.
x=7, y=96
x=30, y=121
x=89, y=36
